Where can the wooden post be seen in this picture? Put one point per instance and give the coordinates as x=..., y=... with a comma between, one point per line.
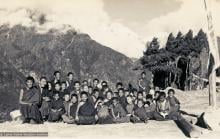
x=212, y=90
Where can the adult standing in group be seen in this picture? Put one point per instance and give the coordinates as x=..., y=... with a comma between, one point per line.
x=56, y=79
x=144, y=83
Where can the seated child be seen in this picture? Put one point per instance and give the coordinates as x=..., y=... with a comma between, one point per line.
x=163, y=109
x=103, y=113
x=45, y=106
x=85, y=113
x=56, y=110
x=118, y=113
x=122, y=98
x=150, y=106
x=69, y=116
x=140, y=96
x=130, y=105
x=108, y=100
x=174, y=102
x=139, y=113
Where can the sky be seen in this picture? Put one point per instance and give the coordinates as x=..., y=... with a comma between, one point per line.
x=123, y=25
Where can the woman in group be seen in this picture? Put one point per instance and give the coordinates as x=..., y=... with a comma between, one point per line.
x=29, y=101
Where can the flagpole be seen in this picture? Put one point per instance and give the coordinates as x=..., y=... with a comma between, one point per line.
x=212, y=44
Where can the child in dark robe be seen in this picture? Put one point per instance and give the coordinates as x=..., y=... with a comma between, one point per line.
x=103, y=113
x=95, y=83
x=150, y=106
x=139, y=113
x=73, y=105
x=122, y=98
x=77, y=89
x=130, y=105
x=108, y=100
x=140, y=96
x=57, y=109
x=95, y=95
x=156, y=96
x=69, y=115
x=46, y=100
x=57, y=88
x=29, y=101
x=118, y=113
x=63, y=90
x=66, y=103
x=174, y=102
x=70, y=82
x=57, y=77
x=86, y=113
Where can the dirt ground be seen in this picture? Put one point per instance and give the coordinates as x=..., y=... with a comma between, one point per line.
x=194, y=102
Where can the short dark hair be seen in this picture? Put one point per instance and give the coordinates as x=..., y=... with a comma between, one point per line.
x=140, y=92
x=104, y=82
x=63, y=82
x=95, y=79
x=109, y=92
x=95, y=90
x=162, y=94
x=83, y=93
x=143, y=72
x=56, y=93
x=119, y=83
x=121, y=89
x=57, y=83
x=56, y=72
x=171, y=90
x=30, y=78
x=43, y=77
x=76, y=82
x=69, y=73
x=74, y=95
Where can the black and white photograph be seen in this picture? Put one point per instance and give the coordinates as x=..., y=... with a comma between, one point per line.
x=97, y=69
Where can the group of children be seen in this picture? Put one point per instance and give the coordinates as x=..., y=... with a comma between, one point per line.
x=93, y=102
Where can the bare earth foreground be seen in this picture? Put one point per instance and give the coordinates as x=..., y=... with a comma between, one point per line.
x=194, y=102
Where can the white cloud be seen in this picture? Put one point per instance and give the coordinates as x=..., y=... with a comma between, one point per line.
x=84, y=15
